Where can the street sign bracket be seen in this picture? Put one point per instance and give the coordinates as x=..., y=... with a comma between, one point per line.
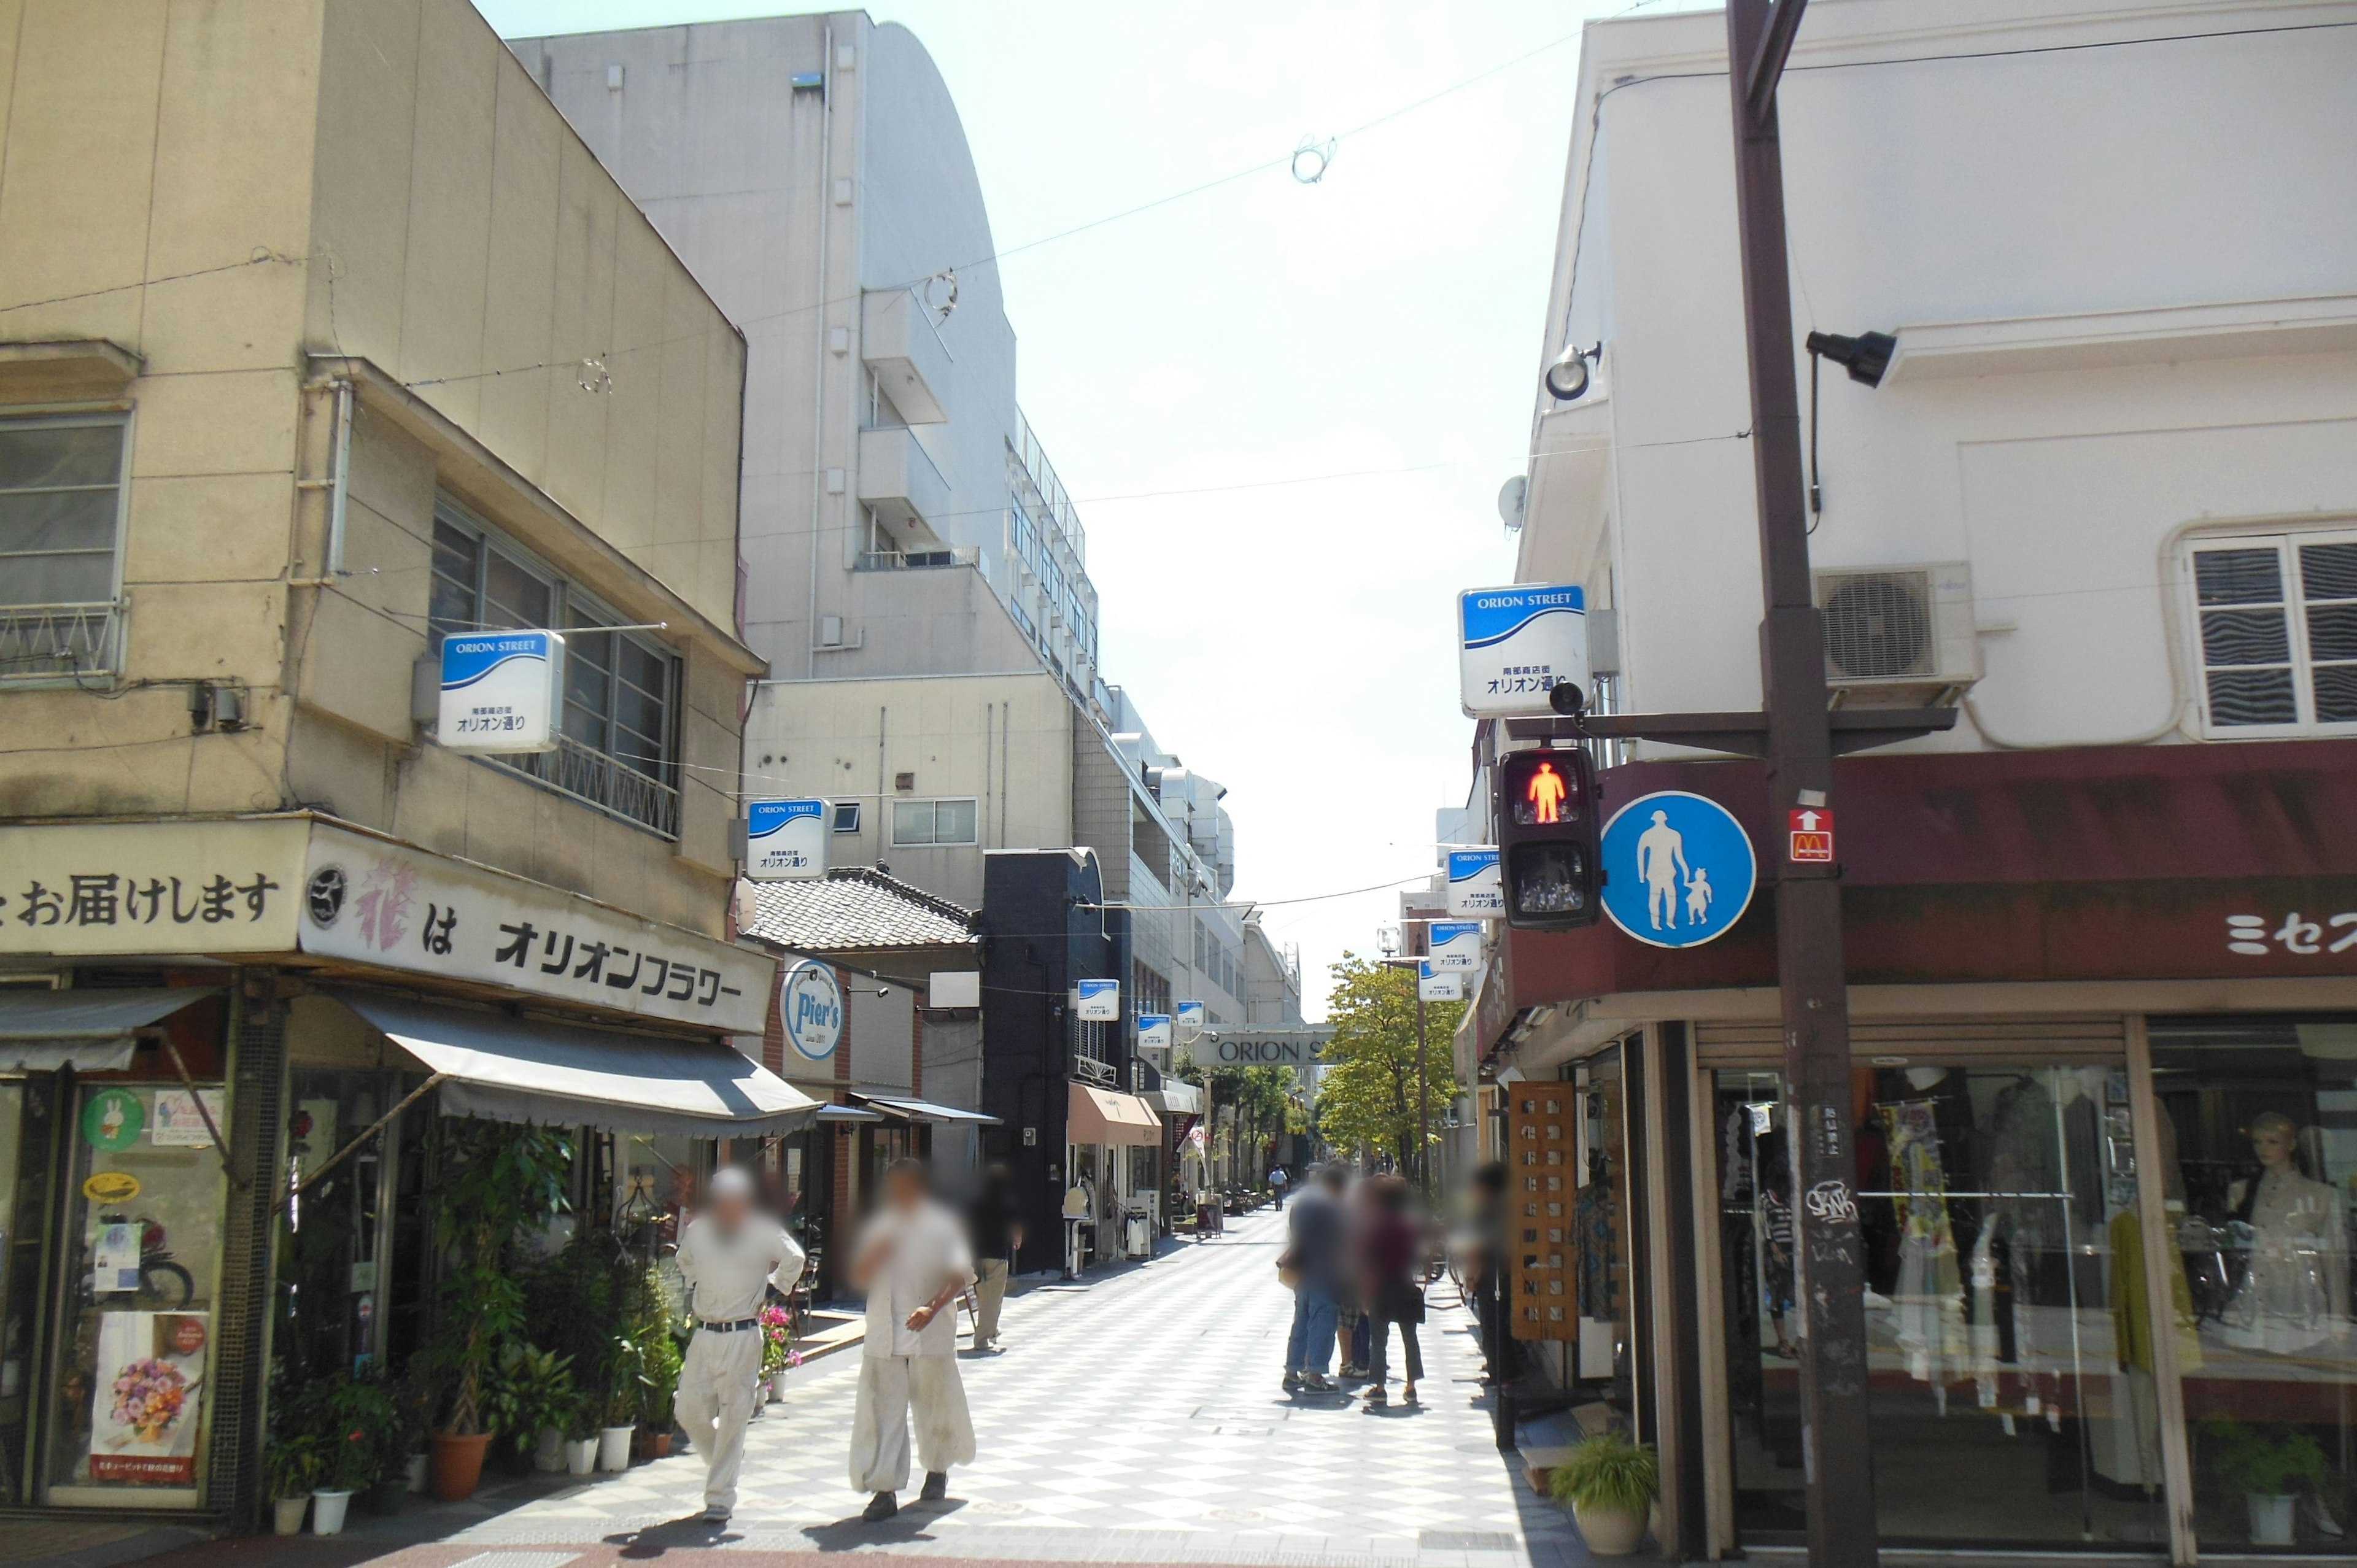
x=1739, y=734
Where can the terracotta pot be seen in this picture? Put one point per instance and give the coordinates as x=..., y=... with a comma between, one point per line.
x=1610, y=1533
x=659, y=1444
x=458, y=1464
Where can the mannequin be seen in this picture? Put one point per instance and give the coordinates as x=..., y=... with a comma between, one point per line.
x=2294, y=1293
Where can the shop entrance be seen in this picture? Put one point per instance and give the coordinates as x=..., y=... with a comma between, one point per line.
x=2012, y=1378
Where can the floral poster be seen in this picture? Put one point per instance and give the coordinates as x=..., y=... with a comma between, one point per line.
x=151, y=1370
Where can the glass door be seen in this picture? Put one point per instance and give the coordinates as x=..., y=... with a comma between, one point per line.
x=2010, y=1372
x=139, y=1242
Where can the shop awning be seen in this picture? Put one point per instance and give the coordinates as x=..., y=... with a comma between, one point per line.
x=1176, y=1098
x=42, y=1030
x=848, y=1113
x=512, y=1069
x=1101, y=1116
x=925, y=1110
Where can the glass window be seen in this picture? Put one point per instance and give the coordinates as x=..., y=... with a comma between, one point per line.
x=932, y=821
x=2011, y=1371
x=846, y=816
x=2258, y=1162
x=2278, y=631
x=60, y=507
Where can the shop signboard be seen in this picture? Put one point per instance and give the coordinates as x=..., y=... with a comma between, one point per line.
x=146, y=1396
x=375, y=901
x=180, y=1122
x=1455, y=945
x=1476, y=891
x=69, y=889
x=1267, y=1047
x=1515, y=645
x=1189, y=1020
x=1154, y=1031
x=1098, y=1001
x=785, y=840
x=1439, y=985
x=500, y=692
x=810, y=1006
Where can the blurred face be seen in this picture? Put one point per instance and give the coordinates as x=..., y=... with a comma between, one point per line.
x=2273, y=1145
x=902, y=1190
x=731, y=1209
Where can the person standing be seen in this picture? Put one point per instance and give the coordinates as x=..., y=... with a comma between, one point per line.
x=1314, y=1260
x=912, y=1261
x=996, y=1223
x=729, y=1255
x=1390, y=1266
x=1276, y=1180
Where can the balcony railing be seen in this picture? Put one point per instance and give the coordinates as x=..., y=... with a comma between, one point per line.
x=919, y=560
x=45, y=642
x=597, y=779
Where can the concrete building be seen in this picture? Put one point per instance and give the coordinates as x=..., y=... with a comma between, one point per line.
x=2103, y=501
x=322, y=339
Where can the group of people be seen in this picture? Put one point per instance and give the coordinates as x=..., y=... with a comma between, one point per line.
x=1354, y=1256
x=914, y=1261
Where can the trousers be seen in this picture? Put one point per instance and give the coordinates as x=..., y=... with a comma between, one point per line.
x=892, y=1389
x=1379, y=1348
x=1311, y=1340
x=715, y=1401
x=990, y=1293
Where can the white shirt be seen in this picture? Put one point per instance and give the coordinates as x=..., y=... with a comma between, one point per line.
x=928, y=1255
x=725, y=1273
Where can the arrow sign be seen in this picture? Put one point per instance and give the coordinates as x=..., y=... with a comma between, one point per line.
x=1812, y=834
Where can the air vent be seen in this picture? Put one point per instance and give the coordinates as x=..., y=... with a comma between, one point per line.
x=1902, y=630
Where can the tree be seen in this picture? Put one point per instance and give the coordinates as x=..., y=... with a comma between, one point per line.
x=1263, y=1098
x=1367, y=1095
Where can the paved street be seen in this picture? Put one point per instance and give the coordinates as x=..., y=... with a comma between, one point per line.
x=1135, y=1419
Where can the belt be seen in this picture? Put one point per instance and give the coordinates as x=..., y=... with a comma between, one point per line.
x=729, y=1327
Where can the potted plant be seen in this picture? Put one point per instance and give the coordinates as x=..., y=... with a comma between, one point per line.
x=352, y=1415
x=531, y=1401
x=659, y=1386
x=1609, y=1484
x=581, y=1437
x=292, y=1469
x=2267, y=1471
x=778, y=1354
x=619, y=1418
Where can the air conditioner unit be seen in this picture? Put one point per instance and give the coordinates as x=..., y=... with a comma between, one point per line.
x=1899, y=636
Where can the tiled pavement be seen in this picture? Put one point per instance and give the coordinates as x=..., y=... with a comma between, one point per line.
x=1134, y=1419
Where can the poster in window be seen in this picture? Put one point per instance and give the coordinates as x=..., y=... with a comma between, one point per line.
x=177, y=1123
x=145, y=1399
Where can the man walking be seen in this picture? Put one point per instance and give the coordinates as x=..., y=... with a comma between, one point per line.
x=1313, y=1257
x=996, y=1223
x=912, y=1261
x=729, y=1256
x=1276, y=1180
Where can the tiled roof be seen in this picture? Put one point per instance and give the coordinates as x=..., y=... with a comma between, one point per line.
x=852, y=907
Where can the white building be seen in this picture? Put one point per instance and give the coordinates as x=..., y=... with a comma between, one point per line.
x=2104, y=501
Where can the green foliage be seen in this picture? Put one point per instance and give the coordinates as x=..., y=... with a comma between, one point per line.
x=660, y=1378
x=294, y=1466
x=492, y=1180
x=2247, y=1460
x=1367, y=1096
x=532, y=1389
x=1266, y=1101
x=1607, y=1472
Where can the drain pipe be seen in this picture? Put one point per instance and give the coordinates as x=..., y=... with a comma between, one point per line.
x=340, y=489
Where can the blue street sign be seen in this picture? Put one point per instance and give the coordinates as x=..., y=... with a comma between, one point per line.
x=1100, y=1001
x=1457, y=944
x=1678, y=869
x=785, y=838
x=1475, y=891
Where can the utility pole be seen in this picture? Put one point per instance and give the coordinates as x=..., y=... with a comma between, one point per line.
x=1836, y=1446
x=1423, y=1101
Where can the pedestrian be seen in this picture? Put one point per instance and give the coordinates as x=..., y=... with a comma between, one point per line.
x=1276, y=1180
x=730, y=1256
x=996, y=1223
x=1353, y=1332
x=1313, y=1264
x=912, y=1261
x=1484, y=1264
x=1391, y=1269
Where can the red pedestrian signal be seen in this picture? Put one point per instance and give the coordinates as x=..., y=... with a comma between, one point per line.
x=1545, y=805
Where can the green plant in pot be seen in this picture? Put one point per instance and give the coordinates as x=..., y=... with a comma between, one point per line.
x=1609, y=1484
x=530, y=1400
x=290, y=1471
x=2271, y=1472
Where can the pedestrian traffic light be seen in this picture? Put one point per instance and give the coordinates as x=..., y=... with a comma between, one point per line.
x=1547, y=839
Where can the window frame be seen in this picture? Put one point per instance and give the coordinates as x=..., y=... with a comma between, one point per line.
x=2286, y=542
x=110, y=662
x=933, y=805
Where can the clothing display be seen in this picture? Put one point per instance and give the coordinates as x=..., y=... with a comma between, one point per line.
x=1592, y=1223
x=1929, y=1293
x=2293, y=1294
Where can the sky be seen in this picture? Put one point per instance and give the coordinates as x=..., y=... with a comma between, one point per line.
x=1285, y=408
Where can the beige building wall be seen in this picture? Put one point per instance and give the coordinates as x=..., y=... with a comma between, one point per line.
x=211, y=215
x=1003, y=741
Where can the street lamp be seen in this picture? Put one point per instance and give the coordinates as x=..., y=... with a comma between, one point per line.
x=1567, y=378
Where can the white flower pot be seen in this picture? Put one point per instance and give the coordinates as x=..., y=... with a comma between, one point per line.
x=614, y=1447
x=1610, y=1533
x=418, y=1466
x=580, y=1456
x=2272, y=1518
x=777, y=1387
x=327, y=1512
x=290, y=1511
x=548, y=1452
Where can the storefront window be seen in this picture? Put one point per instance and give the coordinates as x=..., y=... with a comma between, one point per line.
x=142, y=1238
x=336, y=1268
x=28, y=1112
x=2261, y=1185
x=2010, y=1368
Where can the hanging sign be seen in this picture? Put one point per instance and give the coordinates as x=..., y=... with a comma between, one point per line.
x=1439, y=985
x=1268, y=1047
x=1678, y=869
x=1455, y=945
x=1098, y=1001
x=1476, y=892
x=810, y=1006
x=1189, y=1020
x=1154, y=1031
x=501, y=691
x=785, y=840
x=1517, y=644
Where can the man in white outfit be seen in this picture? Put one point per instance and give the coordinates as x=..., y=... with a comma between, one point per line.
x=729, y=1255
x=913, y=1264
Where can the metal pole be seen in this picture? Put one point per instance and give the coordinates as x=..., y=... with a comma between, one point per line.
x=1836, y=1440
x=1423, y=1107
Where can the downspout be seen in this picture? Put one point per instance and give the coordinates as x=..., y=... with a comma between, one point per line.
x=818, y=356
x=339, y=486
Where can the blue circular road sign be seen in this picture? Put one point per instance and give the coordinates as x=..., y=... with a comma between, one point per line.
x=1678, y=869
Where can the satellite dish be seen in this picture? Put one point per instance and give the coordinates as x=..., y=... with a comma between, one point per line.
x=1509, y=501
